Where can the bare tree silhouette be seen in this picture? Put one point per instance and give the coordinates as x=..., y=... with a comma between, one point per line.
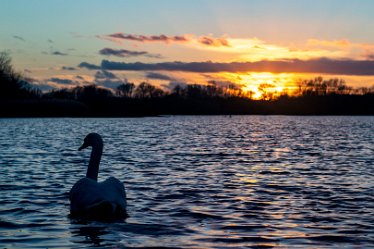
x=12, y=83
x=125, y=90
x=146, y=90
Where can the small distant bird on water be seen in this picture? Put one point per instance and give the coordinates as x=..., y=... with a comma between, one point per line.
x=97, y=200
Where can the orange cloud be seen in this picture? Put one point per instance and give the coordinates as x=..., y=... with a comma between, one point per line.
x=327, y=43
x=368, y=54
x=252, y=49
x=216, y=42
x=347, y=48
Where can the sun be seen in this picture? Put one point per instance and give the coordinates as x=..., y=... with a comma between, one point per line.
x=263, y=85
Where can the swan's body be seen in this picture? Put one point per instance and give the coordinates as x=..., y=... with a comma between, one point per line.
x=92, y=199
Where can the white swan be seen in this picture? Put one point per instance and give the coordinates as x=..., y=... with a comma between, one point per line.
x=97, y=200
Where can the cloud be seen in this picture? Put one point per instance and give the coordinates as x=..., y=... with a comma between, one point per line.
x=19, y=38
x=44, y=87
x=89, y=66
x=111, y=84
x=321, y=66
x=258, y=47
x=58, y=53
x=68, y=68
x=226, y=84
x=251, y=49
x=205, y=40
x=330, y=43
x=351, y=49
x=105, y=75
x=107, y=79
x=120, y=52
x=145, y=38
x=172, y=84
x=158, y=76
x=368, y=55
x=215, y=42
x=126, y=53
x=61, y=81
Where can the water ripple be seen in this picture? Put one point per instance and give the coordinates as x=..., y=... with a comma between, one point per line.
x=194, y=182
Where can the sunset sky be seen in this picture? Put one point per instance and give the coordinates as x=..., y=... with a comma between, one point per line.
x=64, y=43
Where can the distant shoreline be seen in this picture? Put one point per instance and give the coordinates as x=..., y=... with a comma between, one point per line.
x=163, y=116
x=330, y=105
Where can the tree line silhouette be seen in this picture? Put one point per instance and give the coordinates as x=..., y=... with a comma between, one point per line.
x=313, y=97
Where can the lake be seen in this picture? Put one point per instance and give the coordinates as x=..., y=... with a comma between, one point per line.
x=194, y=181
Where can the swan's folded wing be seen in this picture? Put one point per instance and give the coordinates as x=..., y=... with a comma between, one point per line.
x=87, y=193
x=84, y=194
x=114, y=191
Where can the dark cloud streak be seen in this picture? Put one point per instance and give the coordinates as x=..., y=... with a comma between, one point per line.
x=65, y=68
x=126, y=53
x=19, y=38
x=158, y=76
x=105, y=75
x=321, y=66
x=89, y=66
x=59, y=53
x=145, y=38
x=61, y=81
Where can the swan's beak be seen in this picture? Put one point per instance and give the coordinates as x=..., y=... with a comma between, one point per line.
x=84, y=145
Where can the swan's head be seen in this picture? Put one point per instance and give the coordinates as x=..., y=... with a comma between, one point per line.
x=92, y=139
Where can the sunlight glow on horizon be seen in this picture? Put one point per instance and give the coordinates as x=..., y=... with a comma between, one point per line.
x=274, y=83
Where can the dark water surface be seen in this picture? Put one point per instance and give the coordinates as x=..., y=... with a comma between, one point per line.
x=194, y=182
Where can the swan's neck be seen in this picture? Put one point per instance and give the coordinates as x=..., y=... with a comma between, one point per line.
x=93, y=166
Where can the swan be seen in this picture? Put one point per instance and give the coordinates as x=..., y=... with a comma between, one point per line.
x=97, y=200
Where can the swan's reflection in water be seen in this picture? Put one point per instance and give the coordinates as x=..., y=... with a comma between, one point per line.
x=120, y=234
x=91, y=234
